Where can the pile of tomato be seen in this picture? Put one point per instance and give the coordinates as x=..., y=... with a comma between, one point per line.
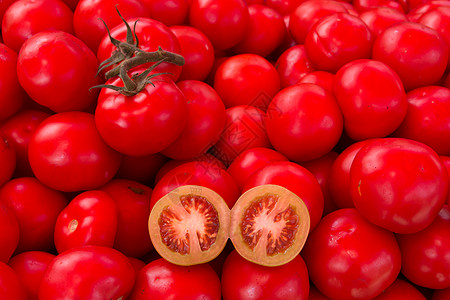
x=224, y=149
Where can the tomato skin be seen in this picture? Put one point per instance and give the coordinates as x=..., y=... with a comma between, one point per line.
x=380, y=18
x=36, y=208
x=369, y=111
x=223, y=21
x=10, y=234
x=363, y=5
x=415, y=52
x=173, y=12
x=425, y=253
x=158, y=113
x=400, y=290
x=162, y=280
x=7, y=159
x=439, y=19
x=323, y=78
x=284, y=7
x=24, y=18
x=133, y=209
x=304, y=122
x=446, y=161
x=30, y=267
x=10, y=285
x=106, y=274
x=242, y=279
x=398, y=184
x=11, y=88
x=350, y=258
x=142, y=169
x=206, y=120
x=428, y=118
x=442, y=294
x=292, y=65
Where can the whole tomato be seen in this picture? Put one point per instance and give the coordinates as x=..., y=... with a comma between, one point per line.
x=242, y=279
x=67, y=153
x=380, y=18
x=10, y=285
x=162, y=280
x=10, y=233
x=36, y=208
x=292, y=65
x=350, y=258
x=398, y=184
x=323, y=78
x=57, y=70
x=88, y=272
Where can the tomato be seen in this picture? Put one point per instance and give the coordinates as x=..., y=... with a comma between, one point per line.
x=36, y=208
x=142, y=169
x=162, y=280
x=30, y=267
x=284, y=7
x=292, y=65
x=425, y=254
x=106, y=274
x=418, y=54
x=158, y=113
x=304, y=122
x=10, y=234
x=244, y=129
x=24, y=18
x=7, y=159
x=350, y=258
x=369, y=111
x=380, y=18
x=88, y=16
x=441, y=294
x=323, y=78
x=11, y=89
x=295, y=178
x=10, y=285
x=206, y=120
x=173, y=12
x=398, y=184
x=265, y=33
x=446, y=161
x=133, y=209
x=420, y=7
x=246, y=79
x=363, y=5
x=401, y=290
x=197, y=50
x=242, y=279
x=223, y=21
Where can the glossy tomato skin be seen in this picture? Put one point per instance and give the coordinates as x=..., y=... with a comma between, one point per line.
x=242, y=279
x=363, y=5
x=380, y=18
x=57, y=70
x=36, y=208
x=415, y=52
x=173, y=12
x=304, y=122
x=425, y=254
x=10, y=234
x=223, y=21
x=133, y=209
x=368, y=110
x=350, y=258
x=428, y=118
x=10, y=285
x=401, y=290
x=292, y=65
x=206, y=120
x=69, y=168
x=323, y=78
x=24, y=18
x=11, y=88
x=160, y=280
x=7, y=159
x=295, y=178
x=105, y=273
x=30, y=267
x=145, y=123
x=89, y=219
x=398, y=184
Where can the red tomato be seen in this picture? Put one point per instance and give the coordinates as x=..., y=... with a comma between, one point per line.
x=246, y=79
x=142, y=169
x=363, y=5
x=244, y=129
x=292, y=65
x=10, y=233
x=418, y=54
x=89, y=219
x=242, y=279
x=425, y=254
x=89, y=272
x=265, y=33
x=162, y=280
x=197, y=50
x=398, y=184
x=19, y=129
x=446, y=161
x=68, y=154
x=304, y=122
x=428, y=118
x=370, y=111
x=322, y=78
x=30, y=267
x=284, y=7
x=133, y=209
x=145, y=123
x=10, y=285
x=223, y=21
x=172, y=12
x=88, y=16
x=24, y=18
x=336, y=40
x=206, y=120
x=380, y=18
x=36, y=208
x=295, y=178
x=7, y=159
x=350, y=258
x=443, y=294
x=10, y=87
x=401, y=290
x=419, y=7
